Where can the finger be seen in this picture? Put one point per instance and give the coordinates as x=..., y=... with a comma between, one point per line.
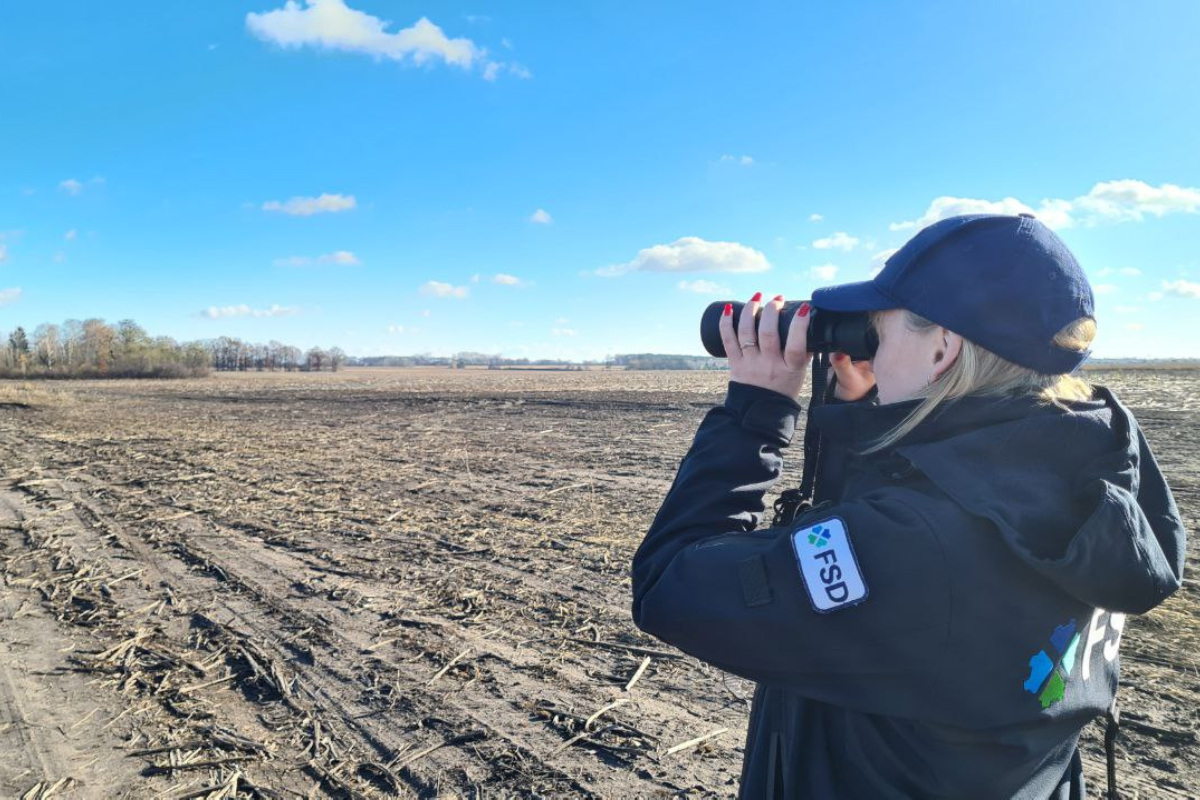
x=768, y=328
x=842, y=367
x=728, y=336
x=746, y=332
x=865, y=373
x=795, y=352
x=854, y=378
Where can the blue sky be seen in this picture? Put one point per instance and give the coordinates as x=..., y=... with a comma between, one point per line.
x=575, y=179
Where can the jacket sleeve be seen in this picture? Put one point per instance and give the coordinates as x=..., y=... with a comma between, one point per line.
x=707, y=583
x=734, y=459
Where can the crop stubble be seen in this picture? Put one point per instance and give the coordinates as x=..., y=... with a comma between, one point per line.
x=406, y=583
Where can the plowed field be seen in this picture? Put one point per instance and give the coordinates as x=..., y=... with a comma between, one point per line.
x=408, y=583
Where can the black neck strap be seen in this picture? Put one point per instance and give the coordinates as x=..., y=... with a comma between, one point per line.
x=795, y=501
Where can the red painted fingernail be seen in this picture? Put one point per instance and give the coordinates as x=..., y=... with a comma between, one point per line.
x=756, y=298
x=804, y=309
x=778, y=297
x=729, y=309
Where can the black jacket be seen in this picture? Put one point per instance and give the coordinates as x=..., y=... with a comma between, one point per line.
x=946, y=621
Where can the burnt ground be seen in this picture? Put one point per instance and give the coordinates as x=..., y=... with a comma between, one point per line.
x=408, y=583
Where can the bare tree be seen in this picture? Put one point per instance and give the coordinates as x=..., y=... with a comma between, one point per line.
x=46, y=345
x=98, y=340
x=72, y=337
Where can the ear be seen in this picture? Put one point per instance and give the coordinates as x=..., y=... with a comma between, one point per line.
x=949, y=347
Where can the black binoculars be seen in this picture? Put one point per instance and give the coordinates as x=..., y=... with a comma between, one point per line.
x=848, y=332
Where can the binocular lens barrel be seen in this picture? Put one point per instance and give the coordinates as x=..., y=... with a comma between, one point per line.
x=848, y=332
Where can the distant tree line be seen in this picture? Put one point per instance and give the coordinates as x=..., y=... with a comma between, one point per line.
x=664, y=361
x=1141, y=363
x=93, y=348
x=467, y=358
x=234, y=355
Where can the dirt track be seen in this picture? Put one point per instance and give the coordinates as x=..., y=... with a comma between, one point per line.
x=406, y=583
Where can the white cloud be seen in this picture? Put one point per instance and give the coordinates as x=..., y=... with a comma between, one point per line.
x=1129, y=200
x=541, y=217
x=1132, y=272
x=307, y=206
x=395, y=329
x=561, y=332
x=8, y=296
x=426, y=312
x=692, y=254
x=702, y=286
x=74, y=187
x=225, y=312
x=332, y=25
x=744, y=161
x=1181, y=288
x=1055, y=214
x=3, y=252
x=342, y=258
x=1108, y=201
x=944, y=207
x=60, y=257
x=1104, y=288
x=506, y=280
x=825, y=272
x=1134, y=326
x=439, y=289
x=561, y=321
x=493, y=69
x=839, y=241
x=880, y=259
x=70, y=235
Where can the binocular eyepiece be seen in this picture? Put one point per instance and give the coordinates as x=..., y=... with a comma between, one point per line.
x=848, y=332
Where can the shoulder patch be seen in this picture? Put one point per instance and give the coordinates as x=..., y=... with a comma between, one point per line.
x=828, y=565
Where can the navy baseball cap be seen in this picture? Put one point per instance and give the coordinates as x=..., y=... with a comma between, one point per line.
x=1007, y=283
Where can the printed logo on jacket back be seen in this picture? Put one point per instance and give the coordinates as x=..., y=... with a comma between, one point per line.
x=828, y=566
x=1048, y=673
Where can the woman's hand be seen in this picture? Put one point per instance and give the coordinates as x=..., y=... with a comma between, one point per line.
x=755, y=356
x=854, y=378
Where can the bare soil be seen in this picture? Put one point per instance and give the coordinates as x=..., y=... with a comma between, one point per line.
x=408, y=583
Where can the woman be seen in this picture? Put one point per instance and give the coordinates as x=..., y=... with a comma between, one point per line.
x=944, y=622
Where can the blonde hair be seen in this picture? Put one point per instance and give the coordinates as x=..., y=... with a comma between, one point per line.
x=981, y=372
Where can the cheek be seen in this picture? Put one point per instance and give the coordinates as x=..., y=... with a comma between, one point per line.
x=889, y=371
x=881, y=364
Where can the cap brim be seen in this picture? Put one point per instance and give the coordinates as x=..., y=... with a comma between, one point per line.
x=862, y=296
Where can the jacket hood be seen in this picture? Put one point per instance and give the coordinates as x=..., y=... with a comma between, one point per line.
x=1076, y=495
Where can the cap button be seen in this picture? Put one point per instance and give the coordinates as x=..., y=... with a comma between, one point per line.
x=1026, y=214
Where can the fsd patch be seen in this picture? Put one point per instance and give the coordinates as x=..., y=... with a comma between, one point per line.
x=828, y=566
